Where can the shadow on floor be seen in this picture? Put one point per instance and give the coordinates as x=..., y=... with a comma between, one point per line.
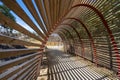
x=67, y=67
x=63, y=66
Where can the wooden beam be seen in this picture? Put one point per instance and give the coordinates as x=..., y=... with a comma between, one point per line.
x=8, y=22
x=14, y=41
x=42, y=12
x=12, y=72
x=48, y=14
x=16, y=52
x=8, y=64
x=19, y=11
x=27, y=70
x=32, y=9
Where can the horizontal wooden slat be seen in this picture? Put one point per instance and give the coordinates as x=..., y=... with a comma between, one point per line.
x=14, y=41
x=18, y=10
x=104, y=31
x=31, y=7
x=30, y=67
x=41, y=10
x=8, y=22
x=26, y=72
x=34, y=76
x=29, y=75
x=16, y=52
x=16, y=69
x=7, y=64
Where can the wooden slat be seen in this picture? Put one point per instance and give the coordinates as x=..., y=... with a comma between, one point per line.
x=32, y=9
x=51, y=11
x=46, y=5
x=25, y=73
x=54, y=11
x=64, y=6
x=33, y=76
x=16, y=52
x=18, y=10
x=68, y=6
x=41, y=10
x=61, y=7
x=7, y=64
x=57, y=9
x=13, y=71
x=8, y=22
x=30, y=73
x=14, y=41
x=60, y=1
x=29, y=67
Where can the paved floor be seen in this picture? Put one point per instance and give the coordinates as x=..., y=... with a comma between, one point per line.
x=67, y=67
x=44, y=69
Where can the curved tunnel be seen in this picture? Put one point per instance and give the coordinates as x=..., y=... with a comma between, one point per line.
x=90, y=27
x=97, y=42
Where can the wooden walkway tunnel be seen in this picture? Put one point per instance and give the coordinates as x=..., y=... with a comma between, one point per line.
x=88, y=28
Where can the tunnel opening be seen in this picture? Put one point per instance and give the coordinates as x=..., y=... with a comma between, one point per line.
x=86, y=28
x=54, y=42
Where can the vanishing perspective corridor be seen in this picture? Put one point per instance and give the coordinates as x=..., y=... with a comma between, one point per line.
x=85, y=35
x=62, y=66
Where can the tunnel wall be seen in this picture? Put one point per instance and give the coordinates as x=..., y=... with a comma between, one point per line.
x=99, y=30
x=88, y=28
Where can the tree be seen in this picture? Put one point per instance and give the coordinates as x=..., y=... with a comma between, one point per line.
x=6, y=11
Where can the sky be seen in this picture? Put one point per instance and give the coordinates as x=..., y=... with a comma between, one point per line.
x=20, y=21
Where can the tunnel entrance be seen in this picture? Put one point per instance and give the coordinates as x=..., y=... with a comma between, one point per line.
x=55, y=42
x=88, y=29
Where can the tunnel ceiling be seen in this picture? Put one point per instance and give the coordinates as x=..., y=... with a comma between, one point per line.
x=93, y=24
x=96, y=15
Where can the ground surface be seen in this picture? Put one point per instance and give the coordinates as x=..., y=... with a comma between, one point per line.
x=67, y=67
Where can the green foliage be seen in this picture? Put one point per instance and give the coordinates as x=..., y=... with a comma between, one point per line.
x=6, y=12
